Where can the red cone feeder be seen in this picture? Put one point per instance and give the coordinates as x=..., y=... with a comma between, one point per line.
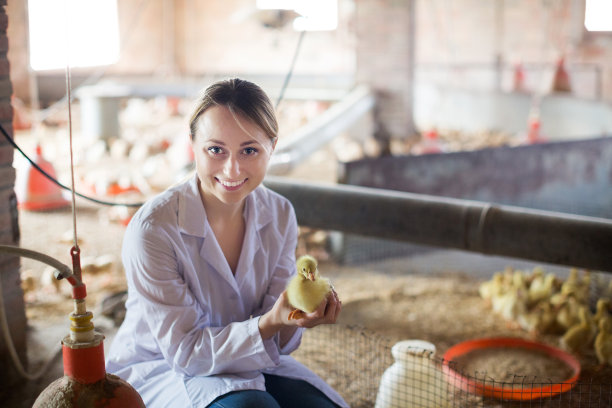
x=36, y=192
x=561, y=80
x=518, y=79
x=534, y=134
x=429, y=144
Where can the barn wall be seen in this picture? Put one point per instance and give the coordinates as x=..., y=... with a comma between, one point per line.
x=9, y=230
x=464, y=43
x=172, y=39
x=474, y=45
x=385, y=59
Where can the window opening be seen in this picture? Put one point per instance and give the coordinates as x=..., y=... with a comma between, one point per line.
x=598, y=15
x=315, y=15
x=83, y=33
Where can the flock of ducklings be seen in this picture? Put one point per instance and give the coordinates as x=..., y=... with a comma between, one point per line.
x=541, y=303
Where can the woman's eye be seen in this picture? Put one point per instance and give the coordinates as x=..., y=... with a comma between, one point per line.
x=249, y=151
x=215, y=150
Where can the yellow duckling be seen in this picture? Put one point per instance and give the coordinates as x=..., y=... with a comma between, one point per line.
x=307, y=289
x=584, y=287
x=508, y=275
x=491, y=288
x=603, y=305
x=603, y=343
x=541, y=288
x=580, y=335
x=511, y=304
x=539, y=320
x=571, y=285
x=568, y=313
x=537, y=273
x=519, y=279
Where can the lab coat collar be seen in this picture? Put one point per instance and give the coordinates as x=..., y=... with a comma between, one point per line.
x=257, y=214
x=192, y=220
x=192, y=216
x=258, y=210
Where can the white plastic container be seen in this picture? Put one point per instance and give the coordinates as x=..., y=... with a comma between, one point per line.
x=413, y=380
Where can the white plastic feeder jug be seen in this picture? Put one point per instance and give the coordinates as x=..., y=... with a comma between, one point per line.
x=413, y=380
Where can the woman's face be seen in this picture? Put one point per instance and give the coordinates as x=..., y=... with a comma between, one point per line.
x=231, y=155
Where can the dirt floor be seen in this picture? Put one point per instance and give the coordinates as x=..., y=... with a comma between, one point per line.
x=384, y=301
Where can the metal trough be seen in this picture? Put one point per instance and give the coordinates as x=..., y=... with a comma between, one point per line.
x=573, y=177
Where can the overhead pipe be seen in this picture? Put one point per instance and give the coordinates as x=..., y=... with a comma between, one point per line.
x=542, y=236
x=321, y=130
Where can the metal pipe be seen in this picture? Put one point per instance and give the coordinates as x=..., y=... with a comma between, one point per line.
x=319, y=131
x=541, y=236
x=62, y=270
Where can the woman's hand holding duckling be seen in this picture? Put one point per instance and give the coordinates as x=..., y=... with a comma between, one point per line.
x=277, y=319
x=326, y=313
x=308, y=301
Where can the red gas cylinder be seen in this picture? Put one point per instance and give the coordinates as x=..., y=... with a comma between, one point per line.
x=85, y=383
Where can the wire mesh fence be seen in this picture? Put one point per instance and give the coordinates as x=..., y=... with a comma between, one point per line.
x=359, y=364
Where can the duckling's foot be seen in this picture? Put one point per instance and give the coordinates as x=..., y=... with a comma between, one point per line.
x=295, y=314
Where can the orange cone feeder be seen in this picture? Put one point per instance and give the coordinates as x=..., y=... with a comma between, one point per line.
x=36, y=192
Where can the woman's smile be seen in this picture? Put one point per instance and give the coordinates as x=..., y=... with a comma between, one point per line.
x=231, y=185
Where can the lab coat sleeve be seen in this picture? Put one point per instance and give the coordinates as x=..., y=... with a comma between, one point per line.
x=283, y=271
x=179, y=324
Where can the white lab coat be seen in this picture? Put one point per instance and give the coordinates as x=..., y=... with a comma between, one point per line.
x=191, y=329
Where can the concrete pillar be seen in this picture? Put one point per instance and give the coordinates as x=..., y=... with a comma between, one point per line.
x=100, y=110
x=9, y=229
x=385, y=59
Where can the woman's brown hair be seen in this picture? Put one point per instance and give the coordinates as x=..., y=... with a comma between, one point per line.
x=242, y=98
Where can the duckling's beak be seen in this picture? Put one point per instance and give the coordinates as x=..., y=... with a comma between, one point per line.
x=311, y=275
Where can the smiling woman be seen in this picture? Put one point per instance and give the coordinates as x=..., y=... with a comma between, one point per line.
x=207, y=263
